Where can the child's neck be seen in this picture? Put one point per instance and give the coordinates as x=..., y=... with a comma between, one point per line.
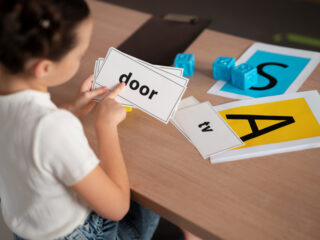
x=16, y=83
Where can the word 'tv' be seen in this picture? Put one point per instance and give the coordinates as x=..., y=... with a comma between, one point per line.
x=206, y=127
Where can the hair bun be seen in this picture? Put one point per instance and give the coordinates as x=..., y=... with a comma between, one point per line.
x=35, y=28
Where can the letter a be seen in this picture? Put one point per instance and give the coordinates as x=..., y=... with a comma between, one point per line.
x=252, y=121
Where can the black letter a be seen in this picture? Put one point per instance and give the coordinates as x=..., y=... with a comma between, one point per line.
x=252, y=121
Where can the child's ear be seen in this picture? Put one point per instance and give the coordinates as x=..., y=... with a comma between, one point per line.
x=42, y=68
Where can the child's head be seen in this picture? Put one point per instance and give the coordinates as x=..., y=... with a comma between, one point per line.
x=43, y=39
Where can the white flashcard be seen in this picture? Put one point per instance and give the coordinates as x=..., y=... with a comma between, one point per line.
x=97, y=69
x=95, y=74
x=169, y=72
x=151, y=91
x=186, y=102
x=208, y=132
x=172, y=70
x=165, y=70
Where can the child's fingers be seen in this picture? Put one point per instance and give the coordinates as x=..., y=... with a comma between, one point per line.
x=87, y=84
x=90, y=95
x=91, y=105
x=114, y=92
x=98, y=91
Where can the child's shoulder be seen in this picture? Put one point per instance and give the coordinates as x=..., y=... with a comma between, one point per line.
x=59, y=120
x=31, y=112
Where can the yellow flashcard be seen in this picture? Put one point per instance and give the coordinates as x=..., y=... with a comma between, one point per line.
x=271, y=125
x=272, y=122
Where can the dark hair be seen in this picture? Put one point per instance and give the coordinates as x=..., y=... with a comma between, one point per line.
x=38, y=28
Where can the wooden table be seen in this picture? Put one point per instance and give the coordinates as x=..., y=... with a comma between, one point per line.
x=272, y=197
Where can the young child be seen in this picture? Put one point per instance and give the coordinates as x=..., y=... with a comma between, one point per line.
x=52, y=185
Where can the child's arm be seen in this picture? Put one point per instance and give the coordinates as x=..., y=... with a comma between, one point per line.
x=106, y=189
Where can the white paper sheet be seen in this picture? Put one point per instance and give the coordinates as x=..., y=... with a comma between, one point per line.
x=206, y=129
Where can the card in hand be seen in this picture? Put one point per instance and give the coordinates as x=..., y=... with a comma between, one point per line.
x=156, y=92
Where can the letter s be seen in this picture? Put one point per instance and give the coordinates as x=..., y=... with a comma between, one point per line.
x=272, y=80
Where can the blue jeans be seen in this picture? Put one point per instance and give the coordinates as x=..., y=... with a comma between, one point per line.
x=139, y=224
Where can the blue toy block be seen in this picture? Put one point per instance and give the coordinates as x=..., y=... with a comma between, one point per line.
x=244, y=76
x=185, y=61
x=222, y=67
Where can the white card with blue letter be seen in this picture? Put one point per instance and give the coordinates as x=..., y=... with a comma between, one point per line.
x=205, y=128
x=281, y=70
x=151, y=91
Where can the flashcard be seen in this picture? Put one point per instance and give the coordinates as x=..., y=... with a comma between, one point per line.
x=169, y=74
x=206, y=129
x=280, y=70
x=97, y=69
x=151, y=91
x=271, y=125
x=173, y=70
x=186, y=102
x=98, y=66
x=165, y=70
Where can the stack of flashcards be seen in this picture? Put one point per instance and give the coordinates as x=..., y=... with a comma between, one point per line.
x=204, y=127
x=156, y=90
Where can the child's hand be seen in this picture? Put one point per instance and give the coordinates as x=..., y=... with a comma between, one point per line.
x=83, y=103
x=108, y=111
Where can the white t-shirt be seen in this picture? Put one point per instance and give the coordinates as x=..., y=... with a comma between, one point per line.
x=43, y=151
